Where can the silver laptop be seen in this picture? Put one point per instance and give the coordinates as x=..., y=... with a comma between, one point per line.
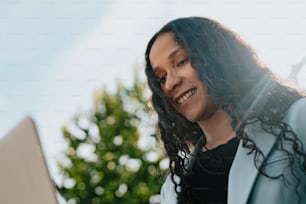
x=24, y=176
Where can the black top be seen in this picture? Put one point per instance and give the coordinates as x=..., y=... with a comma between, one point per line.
x=207, y=181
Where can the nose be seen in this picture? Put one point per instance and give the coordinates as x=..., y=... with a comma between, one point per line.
x=172, y=82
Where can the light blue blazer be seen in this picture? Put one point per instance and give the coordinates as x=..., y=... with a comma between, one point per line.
x=246, y=184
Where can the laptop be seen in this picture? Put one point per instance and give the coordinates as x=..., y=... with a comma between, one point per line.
x=24, y=176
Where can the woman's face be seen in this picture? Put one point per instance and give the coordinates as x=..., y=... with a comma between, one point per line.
x=178, y=80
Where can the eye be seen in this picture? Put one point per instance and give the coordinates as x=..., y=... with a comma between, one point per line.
x=162, y=79
x=182, y=62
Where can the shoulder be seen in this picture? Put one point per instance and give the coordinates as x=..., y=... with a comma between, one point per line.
x=296, y=118
x=168, y=194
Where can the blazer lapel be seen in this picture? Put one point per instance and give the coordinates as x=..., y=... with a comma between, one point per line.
x=243, y=172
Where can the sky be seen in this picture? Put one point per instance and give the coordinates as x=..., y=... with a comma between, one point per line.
x=55, y=54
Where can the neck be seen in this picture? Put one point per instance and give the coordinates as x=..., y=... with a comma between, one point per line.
x=217, y=129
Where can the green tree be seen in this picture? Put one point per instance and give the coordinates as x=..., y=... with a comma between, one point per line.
x=113, y=155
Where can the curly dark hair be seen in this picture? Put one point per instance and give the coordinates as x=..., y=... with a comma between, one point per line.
x=236, y=80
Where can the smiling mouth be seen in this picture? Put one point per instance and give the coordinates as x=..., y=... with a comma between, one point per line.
x=185, y=96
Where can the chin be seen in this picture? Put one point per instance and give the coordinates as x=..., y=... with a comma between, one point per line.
x=192, y=118
x=200, y=117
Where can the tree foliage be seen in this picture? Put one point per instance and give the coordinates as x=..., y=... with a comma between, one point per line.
x=112, y=154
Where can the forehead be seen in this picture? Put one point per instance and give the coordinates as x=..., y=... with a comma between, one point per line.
x=162, y=48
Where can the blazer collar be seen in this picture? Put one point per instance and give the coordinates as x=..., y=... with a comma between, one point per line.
x=243, y=172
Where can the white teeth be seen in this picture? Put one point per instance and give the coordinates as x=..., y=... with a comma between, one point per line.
x=186, y=96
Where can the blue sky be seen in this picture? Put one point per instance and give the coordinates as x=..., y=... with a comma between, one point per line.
x=55, y=54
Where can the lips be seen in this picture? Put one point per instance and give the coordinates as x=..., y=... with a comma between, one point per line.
x=185, y=96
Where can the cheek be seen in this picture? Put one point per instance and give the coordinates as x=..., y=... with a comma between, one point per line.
x=167, y=98
x=172, y=103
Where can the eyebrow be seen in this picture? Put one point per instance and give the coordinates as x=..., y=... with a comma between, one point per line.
x=173, y=53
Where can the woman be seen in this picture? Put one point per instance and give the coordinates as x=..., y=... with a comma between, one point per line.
x=232, y=131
